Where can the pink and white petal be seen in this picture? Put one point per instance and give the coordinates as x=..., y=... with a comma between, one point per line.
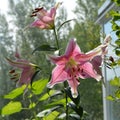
x=107, y=39
x=58, y=75
x=21, y=65
x=90, y=55
x=52, y=13
x=87, y=71
x=58, y=60
x=26, y=76
x=73, y=83
x=96, y=62
x=47, y=20
x=72, y=49
x=37, y=23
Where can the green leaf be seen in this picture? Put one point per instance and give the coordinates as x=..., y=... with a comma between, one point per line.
x=39, y=85
x=118, y=61
x=64, y=23
x=11, y=107
x=32, y=79
x=75, y=100
x=51, y=116
x=117, y=94
x=117, y=42
x=117, y=51
x=117, y=2
x=111, y=98
x=115, y=81
x=77, y=109
x=115, y=26
x=15, y=93
x=46, y=96
x=61, y=102
x=75, y=117
x=118, y=33
x=45, y=47
x=48, y=113
x=32, y=105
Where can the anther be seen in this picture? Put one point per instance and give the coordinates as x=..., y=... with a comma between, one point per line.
x=73, y=69
x=33, y=15
x=78, y=69
x=38, y=9
x=81, y=71
x=12, y=71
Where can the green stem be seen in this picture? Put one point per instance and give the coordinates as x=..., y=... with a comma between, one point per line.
x=66, y=111
x=66, y=98
x=56, y=38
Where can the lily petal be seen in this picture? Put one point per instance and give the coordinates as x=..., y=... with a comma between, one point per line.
x=87, y=71
x=59, y=60
x=73, y=83
x=58, y=75
x=19, y=64
x=72, y=49
x=26, y=76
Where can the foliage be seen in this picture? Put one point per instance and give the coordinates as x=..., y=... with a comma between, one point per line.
x=115, y=63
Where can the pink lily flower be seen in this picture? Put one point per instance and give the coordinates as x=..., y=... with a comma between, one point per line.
x=28, y=69
x=74, y=65
x=45, y=18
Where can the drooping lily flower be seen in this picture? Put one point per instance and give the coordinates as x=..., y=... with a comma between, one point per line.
x=74, y=65
x=27, y=69
x=45, y=18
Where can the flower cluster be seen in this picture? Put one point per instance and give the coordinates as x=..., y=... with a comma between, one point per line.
x=71, y=66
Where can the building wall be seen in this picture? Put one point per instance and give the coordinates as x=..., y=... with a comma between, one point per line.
x=111, y=109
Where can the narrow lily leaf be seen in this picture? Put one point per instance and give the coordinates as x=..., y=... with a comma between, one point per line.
x=51, y=116
x=45, y=48
x=47, y=112
x=64, y=23
x=11, y=107
x=75, y=100
x=39, y=85
x=15, y=93
x=74, y=117
x=61, y=102
x=46, y=96
x=77, y=109
x=32, y=79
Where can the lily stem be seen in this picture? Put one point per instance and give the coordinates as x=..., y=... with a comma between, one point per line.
x=56, y=38
x=66, y=98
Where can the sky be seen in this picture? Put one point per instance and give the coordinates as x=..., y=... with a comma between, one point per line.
x=69, y=5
